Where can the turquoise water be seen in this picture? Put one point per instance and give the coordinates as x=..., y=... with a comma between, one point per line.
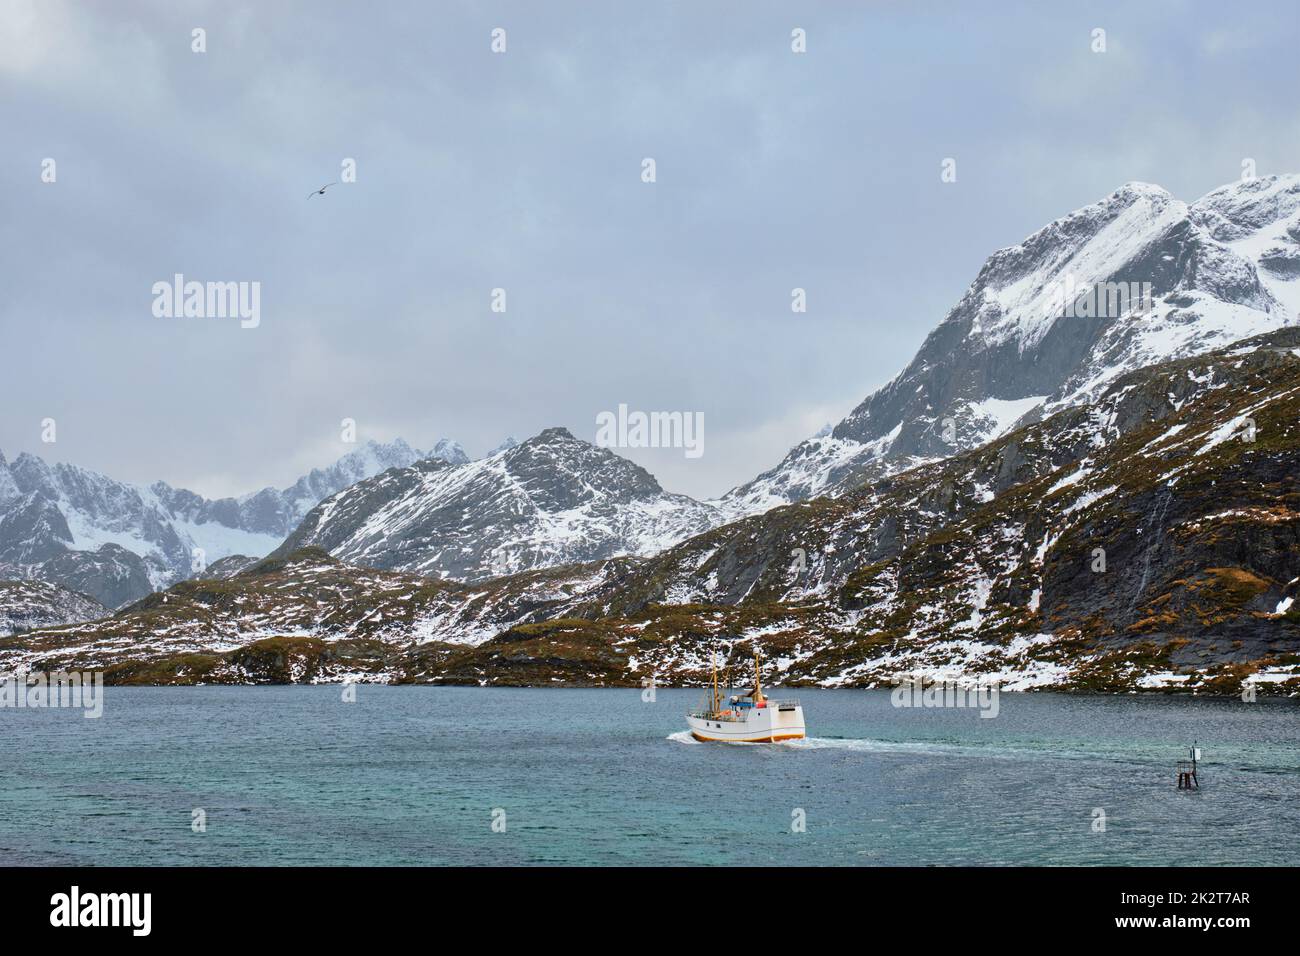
x=411, y=775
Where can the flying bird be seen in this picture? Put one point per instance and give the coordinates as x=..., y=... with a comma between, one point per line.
x=321, y=191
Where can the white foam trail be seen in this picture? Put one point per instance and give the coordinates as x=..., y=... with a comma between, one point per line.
x=683, y=737
x=864, y=745
x=993, y=752
x=839, y=743
x=870, y=746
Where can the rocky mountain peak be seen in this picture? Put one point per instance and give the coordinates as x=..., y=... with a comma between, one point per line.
x=1135, y=279
x=557, y=434
x=549, y=500
x=448, y=451
x=1239, y=209
x=565, y=472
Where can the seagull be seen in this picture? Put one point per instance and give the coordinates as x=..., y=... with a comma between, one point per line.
x=321, y=191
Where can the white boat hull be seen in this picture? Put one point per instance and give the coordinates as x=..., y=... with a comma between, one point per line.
x=760, y=725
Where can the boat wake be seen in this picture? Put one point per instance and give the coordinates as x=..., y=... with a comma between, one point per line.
x=927, y=748
x=869, y=746
x=859, y=744
x=828, y=743
x=865, y=745
x=1139, y=761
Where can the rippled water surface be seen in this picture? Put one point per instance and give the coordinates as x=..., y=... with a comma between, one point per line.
x=412, y=775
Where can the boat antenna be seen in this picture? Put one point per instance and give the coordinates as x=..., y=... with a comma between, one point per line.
x=715, y=681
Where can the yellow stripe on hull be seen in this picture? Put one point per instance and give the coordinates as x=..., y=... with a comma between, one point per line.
x=737, y=740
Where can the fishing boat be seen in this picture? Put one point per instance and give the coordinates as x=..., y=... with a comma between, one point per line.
x=749, y=718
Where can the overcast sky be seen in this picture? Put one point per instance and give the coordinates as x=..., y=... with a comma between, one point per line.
x=522, y=171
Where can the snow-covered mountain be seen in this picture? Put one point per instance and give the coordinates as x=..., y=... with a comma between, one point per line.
x=1039, y=425
x=1046, y=325
x=553, y=499
x=1056, y=324
x=118, y=541
x=1183, y=477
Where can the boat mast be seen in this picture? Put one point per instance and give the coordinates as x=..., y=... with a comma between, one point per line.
x=715, y=681
x=758, y=682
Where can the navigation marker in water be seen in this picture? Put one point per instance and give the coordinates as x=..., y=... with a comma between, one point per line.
x=1187, y=770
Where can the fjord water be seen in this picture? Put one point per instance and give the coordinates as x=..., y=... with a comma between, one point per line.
x=412, y=775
